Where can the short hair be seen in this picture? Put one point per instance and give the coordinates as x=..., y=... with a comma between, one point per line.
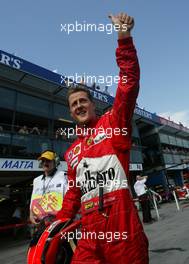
x=138, y=176
x=75, y=89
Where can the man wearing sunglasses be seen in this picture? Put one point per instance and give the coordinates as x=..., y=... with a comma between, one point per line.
x=48, y=188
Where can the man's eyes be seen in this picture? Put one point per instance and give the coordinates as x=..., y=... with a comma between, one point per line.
x=83, y=101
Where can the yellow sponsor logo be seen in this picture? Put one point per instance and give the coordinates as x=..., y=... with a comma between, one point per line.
x=89, y=141
x=49, y=202
x=89, y=205
x=77, y=150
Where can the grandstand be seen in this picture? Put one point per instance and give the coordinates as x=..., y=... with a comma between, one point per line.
x=34, y=111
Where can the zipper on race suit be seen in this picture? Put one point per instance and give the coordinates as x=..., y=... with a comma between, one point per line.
x=101, y=202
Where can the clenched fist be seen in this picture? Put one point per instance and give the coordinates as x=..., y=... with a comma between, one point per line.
x=123, y=23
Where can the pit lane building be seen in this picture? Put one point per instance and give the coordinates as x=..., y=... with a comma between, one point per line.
x=34, y=99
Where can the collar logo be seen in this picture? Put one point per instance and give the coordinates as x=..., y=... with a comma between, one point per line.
x=89, y=141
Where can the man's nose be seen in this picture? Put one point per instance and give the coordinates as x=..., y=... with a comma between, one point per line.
x=79, y=104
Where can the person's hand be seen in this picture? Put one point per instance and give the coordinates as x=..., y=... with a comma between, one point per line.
x=33, y=219
x=123, y=23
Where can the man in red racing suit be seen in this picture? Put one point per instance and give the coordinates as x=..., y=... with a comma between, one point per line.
x=98, y=166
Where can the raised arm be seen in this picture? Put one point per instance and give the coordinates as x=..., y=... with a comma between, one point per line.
x=127, y=61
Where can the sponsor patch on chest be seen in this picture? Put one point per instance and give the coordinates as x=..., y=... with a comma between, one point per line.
x=94, y=140
x=74, y=152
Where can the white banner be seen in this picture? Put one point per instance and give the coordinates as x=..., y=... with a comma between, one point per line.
x=33, y=165
x=24, y=165
x=135, y=167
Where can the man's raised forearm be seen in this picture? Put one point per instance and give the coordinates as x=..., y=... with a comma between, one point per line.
x=127, y=61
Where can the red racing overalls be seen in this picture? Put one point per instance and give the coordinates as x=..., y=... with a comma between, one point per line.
x=101, y=158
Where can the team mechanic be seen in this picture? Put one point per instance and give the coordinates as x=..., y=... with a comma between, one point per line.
x=100, y=165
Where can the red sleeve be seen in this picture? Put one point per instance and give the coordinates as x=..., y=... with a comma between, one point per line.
x=128, y=86
x=72, y=199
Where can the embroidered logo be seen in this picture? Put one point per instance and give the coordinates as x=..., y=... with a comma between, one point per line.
x=89, y=141
x=89, y=205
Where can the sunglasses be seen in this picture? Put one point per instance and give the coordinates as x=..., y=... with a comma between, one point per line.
x=46, y=161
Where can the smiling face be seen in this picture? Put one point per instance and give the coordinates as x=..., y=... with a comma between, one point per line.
x=82, y=109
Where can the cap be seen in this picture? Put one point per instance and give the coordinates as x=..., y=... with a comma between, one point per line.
x=50, y=155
